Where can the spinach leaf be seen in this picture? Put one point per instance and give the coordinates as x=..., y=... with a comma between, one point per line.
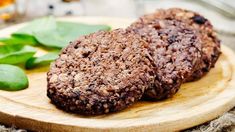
x=66, y=32
x=14, y=54
x=37, y=25
x=12, y=78
x=48, y=32
x=19, y=39
x=41, y=61
x=25, y=35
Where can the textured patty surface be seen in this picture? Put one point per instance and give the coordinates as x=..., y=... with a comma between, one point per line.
x=210, y=42
x=176, y=51
x=100, y=73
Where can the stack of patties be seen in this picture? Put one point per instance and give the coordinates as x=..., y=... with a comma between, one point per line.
x=210, y=42
x=108, y=71
x=183, y=45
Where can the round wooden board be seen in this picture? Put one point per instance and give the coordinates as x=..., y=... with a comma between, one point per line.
x=195, y=103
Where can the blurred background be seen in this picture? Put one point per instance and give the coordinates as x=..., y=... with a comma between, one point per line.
x=220, y=12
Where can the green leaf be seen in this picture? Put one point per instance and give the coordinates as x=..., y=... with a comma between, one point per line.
x=12, y=78
x=25, y=35
x=14, y=54
x=43, y=24
x=50, y=33
x=19, y=39
x=41, y=61
x=66, y=32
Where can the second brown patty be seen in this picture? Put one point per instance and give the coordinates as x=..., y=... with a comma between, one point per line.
x=210, y=42
x=176, y=52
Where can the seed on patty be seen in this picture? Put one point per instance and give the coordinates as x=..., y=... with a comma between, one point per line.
x=100, y=73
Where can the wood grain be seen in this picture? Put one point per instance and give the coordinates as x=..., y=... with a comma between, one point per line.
x=195, y=103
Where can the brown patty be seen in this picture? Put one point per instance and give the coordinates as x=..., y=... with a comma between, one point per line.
x=100, y=73
x=210, y=42
x=176, y=51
